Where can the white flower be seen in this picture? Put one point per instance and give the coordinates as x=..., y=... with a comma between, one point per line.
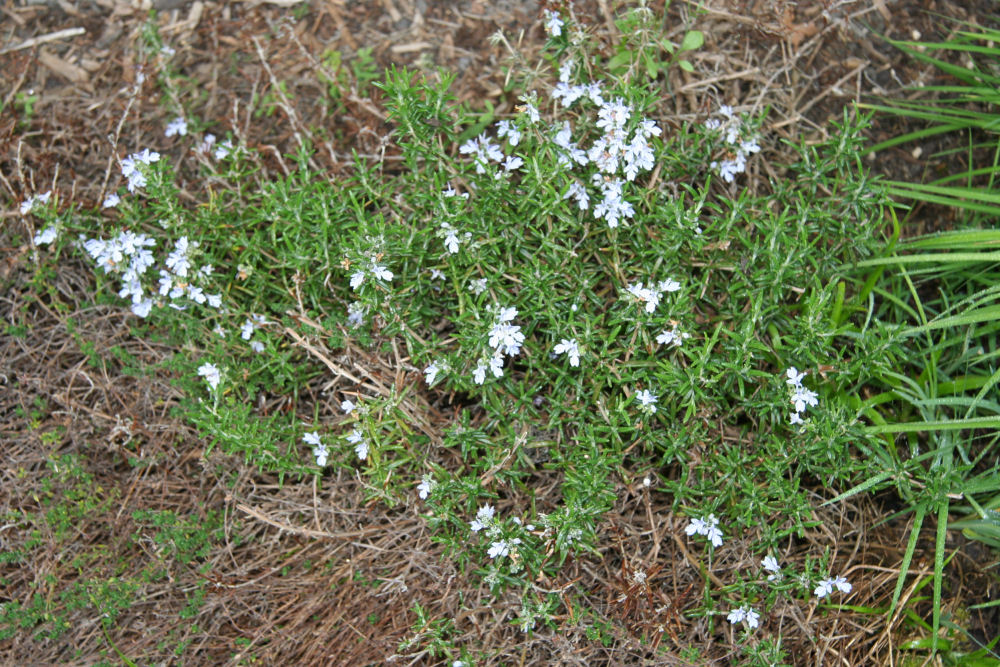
x=257, y=346
x=512, y=162
x=31, y=202
x=477, y=287
x=347, y=406
x=479, y=375
x=356, y=314
x=826, y=586
x=360, y=444
x=569, y=347
x=246, y=331
x=770, y=563
x=223, y=149
x=312, y=438
x=794, y=377
x=696, y=527
x=709, y=527
x=502, y=548
x=211, y=374
x=111, y=200
x=381, y=272
x=322, y=454
x=803, y=397
x=742, y=614
x=579, y=193
x=795, y=418
x=426, y=486
x=143, y=308
x=431, y=372
x=553, y=24
x=178, y=126
x=46, y=236
x=206, y=143
x=672, y=337
x=484, y=517
x=647, y=399
x=357, y=278
x=507, y=129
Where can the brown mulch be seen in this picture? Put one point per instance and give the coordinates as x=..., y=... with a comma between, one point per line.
x=304, y=572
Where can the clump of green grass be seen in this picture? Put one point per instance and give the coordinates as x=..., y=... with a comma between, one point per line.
x=937, y=416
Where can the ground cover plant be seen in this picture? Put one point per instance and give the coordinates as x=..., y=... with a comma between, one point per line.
x=584, y=303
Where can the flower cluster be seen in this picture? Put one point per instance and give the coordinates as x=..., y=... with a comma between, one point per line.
x=177, y=127
x=739, y=148
x=373, y=269
x=28, y=205
x=570, y=348
x=505, y=339
x=211, y=373
x=650, y=296
x=501, y=545
x=744, y=614
x=672, y=336
x=132, y=168
x=320, y=450
x=647, y=400
x=360, y=444
x=801, y=397
x=250, y=325
x=128, y=254
x=708, y=527
x=826, y=586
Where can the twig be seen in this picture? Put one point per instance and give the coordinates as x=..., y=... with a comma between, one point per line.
x=43, y=39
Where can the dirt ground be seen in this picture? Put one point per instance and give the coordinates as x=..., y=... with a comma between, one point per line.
x=299, y=575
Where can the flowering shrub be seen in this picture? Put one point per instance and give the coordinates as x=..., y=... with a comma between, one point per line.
x=586, y=284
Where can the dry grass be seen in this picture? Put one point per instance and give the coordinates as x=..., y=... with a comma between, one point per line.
x=306, y=573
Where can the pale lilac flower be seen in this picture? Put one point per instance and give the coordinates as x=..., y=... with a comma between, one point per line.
x=257, y=346
x=206, y=143
x=431, y=372
x=794, y=376
x=512, y=162
x=826, y=586
x=356, y=314
x=553, y=24
x=795, y=418
x=744, y=613
x=360, y=444
x=178, y=126
x=111, y=201
x=803, y=397
x=570, y=348
x=142, y=308
x=477, y=287
x=223, y=149
x=347, y=406
x=530, y=110
x=672, y=337
x=770, y=564
x=579, y=193
x=647, y=399
x=357, y=278
x=507, y=129
x=211, y=374
x=708, y=527
x=46, y=236
x=484, y=518
x=426, y=486
x=28, y=205
x=502, y=548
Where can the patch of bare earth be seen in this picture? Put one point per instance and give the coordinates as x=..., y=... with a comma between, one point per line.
x=305, y=573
